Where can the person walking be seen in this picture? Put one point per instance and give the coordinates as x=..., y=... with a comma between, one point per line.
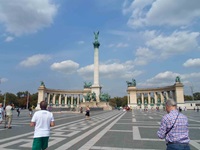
x=1, y=113
x=42, y=120
x=30, y=111
x=174, y=128
x=18, y=111
x=9, y=114
x=87, y=114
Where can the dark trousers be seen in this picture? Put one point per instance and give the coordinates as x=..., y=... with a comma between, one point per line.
x=178, y=146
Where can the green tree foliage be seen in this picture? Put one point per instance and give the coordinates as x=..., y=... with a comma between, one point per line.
x=187, y=97
x=118, y=101
x=20, y=99
x=197, y=96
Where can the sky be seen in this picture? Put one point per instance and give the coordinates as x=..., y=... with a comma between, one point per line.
x=151, y=41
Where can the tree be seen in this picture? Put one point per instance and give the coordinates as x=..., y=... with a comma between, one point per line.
x=33, y=100
x=188, y=97
x=196, y=96
x=11, y=98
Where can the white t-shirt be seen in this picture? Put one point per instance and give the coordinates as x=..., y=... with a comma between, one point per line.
x=42, y=119
x=9, y=111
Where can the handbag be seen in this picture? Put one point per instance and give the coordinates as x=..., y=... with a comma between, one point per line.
x=172, y=125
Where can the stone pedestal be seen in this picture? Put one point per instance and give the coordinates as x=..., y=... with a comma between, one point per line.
x=41, y=96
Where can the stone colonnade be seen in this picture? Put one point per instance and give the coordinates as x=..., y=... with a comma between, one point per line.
x=154, y=97
x=61, y=98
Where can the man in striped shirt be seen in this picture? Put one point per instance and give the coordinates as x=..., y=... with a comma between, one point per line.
x=174, y=128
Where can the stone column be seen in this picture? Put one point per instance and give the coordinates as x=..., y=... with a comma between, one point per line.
x=179, y=94
x=48, y=98
x=54, y=99
x=149, y=98
x=59, y=101
x=41, y=95
x=78, y=100
x=96, y=87
x=142, y=98
x=72, y=101
x=161, y=97
x=132, y=96
x=65, y=100
x=155, y=98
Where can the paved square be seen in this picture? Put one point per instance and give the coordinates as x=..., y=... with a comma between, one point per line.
x=107, y=130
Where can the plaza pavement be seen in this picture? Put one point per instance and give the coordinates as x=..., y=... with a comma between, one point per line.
x=107, y=130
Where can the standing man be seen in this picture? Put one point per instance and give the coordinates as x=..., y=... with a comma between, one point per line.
x=42, y=120
x=174, y=128
x=9, y=113
x=1, y=113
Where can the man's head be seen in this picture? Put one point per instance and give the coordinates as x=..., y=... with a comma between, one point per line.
x=170, y=105
x=43, y=105
x=1, y=105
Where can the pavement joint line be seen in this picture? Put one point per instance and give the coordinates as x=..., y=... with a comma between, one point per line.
x=91, y=142
x=195, y=144
x=120, y=130
x=77, y=139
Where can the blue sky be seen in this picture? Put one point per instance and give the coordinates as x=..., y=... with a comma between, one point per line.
x=152, y=41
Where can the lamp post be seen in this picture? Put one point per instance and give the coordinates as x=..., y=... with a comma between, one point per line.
x=191, y=87
x=4, y=101
x=27, y=100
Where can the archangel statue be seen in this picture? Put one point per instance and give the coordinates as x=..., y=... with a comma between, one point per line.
x=96, y=35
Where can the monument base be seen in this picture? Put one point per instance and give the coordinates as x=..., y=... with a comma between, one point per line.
x=94, y=104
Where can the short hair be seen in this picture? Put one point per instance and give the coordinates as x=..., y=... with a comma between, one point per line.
x=1, y=104
x=43, y=105
x=170, y=102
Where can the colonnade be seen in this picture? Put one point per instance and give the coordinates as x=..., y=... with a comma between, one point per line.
x=61, y=98
x=153, y=97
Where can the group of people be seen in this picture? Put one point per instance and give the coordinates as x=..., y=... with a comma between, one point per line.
x=173, y=127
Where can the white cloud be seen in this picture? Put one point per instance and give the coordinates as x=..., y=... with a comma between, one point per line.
x=2, y=80
x=159, y=12
x=111, y=70
x=192, y=76
x=177, y=42
x=66, y=67
x=143, y=56
x=162, y=79
x=192, y=63
x=34, y=60
x=119, y=45
x=26, y=16
x=81, y=42
x=9, y=39
x=168, y=78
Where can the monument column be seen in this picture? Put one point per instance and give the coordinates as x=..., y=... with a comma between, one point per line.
x=96, y=87
x=41, y=95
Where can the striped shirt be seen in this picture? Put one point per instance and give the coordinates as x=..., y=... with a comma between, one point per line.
x=179, y=133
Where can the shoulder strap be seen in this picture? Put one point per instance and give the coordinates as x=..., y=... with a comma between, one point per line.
x=172, y=125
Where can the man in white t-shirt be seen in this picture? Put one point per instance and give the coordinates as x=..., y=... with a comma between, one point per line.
x=9, y=114
x=42, y=120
